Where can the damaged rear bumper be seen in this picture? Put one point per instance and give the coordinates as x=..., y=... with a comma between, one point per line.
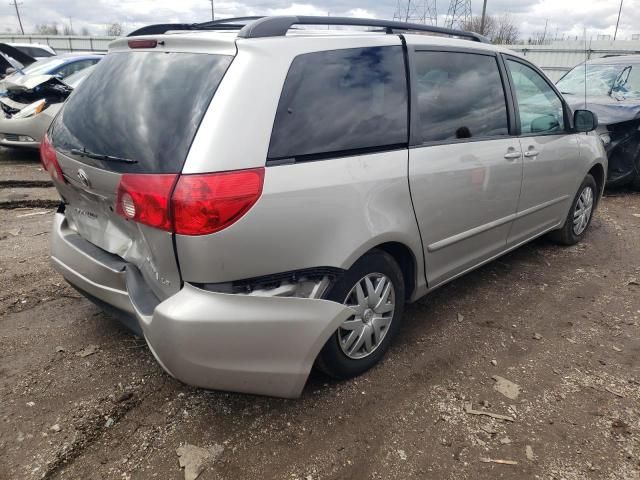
x=241, y=343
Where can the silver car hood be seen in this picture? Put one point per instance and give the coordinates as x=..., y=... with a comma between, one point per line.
x=29, y=82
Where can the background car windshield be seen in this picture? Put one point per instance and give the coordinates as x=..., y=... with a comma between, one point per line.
x=77, y=78
x=43, y=66
x=601, y=79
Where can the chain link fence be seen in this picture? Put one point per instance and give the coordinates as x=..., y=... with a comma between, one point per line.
x=63, y=43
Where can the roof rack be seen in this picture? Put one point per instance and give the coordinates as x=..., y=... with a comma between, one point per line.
x=277, y=26
x=225, y=24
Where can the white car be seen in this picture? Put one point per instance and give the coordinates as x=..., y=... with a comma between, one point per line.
x=36, y=50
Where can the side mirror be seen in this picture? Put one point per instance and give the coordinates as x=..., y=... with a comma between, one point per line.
x=10, y=70
x=585, y=121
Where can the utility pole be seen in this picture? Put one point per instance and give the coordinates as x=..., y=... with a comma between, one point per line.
x=618, y=22
x=15, y=4
x=484, y=13
x=213, y=14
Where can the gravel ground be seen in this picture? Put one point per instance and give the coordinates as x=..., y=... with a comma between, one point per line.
x=81, y=397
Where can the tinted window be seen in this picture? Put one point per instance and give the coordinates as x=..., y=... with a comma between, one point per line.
x=43, y=66
x=460, y=95
x=539, y=107
x=144, y=106
x=342, y=100
x=74, y=67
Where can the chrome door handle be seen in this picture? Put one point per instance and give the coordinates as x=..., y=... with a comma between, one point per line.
x=512, y=155
x=531, y=153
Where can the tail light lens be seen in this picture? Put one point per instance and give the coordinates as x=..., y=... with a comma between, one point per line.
x=204, y=204
x=199, y=205
x=49, y=160
x=146, y=199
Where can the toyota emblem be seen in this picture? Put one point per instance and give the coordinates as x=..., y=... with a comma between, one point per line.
x=84, y=179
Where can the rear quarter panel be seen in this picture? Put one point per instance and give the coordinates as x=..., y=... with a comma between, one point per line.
x=315, y=214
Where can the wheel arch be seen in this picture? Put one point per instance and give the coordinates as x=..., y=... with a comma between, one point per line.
x=409, y=264
x=598, y=174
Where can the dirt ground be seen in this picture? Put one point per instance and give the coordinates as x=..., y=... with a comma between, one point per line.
x=81, y=397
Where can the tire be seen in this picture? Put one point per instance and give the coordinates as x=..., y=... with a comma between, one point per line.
x=339, y=358
x=570, y=233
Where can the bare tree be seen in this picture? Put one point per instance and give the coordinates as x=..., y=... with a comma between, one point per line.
x=498, y=29
x=45, y=29
x=507, y=31
x=67, y=30
x=474, y=24
x=85, y=32
x=114, y=30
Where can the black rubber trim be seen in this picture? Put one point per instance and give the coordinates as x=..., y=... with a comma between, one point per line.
x=249, y=284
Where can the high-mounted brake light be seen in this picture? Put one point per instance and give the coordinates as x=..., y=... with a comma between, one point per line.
x=142, y=43
x=199, y=205
x=204, y=204
x=49, y=160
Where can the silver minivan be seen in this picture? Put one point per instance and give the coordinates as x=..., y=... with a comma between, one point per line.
x=256, y=199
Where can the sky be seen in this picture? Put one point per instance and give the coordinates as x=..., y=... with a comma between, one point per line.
x=568, y=17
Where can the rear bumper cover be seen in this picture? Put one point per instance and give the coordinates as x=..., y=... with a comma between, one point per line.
x=250, y=344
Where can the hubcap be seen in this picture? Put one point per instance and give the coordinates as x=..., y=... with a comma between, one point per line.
x=582, y=212
x=372, y=300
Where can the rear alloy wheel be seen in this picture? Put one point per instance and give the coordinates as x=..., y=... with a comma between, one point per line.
x=372, y=300
x=374, y=291
x=580, y=214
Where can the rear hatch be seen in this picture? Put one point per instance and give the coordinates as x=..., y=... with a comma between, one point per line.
x=132, y=121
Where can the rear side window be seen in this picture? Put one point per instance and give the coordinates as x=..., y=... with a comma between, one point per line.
x=35, y=51
x=141, y=106
x=460, y=95
x=342, y=101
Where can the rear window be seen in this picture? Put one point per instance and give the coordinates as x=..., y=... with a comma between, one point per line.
x=342, y=101
x=35, y=51
x=142, y=106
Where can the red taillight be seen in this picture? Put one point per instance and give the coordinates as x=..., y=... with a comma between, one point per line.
x=200, y=204
x=49, y=160
x=208, y=203
x=146, y=198
x=142, y=43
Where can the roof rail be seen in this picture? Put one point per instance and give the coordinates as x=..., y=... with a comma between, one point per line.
x=224, y=24
x=278, y=26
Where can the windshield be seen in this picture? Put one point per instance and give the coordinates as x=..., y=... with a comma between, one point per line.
x=619, y=81
x=43, y=66
x=76, y=79
x=142, y=106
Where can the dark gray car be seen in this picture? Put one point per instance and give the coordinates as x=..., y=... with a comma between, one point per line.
x=612, y=92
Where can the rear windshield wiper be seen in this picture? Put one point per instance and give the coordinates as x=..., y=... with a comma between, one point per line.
x=97, y=156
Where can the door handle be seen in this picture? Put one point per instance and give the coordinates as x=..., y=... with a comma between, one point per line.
x=512, y=155
x=531, y=153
